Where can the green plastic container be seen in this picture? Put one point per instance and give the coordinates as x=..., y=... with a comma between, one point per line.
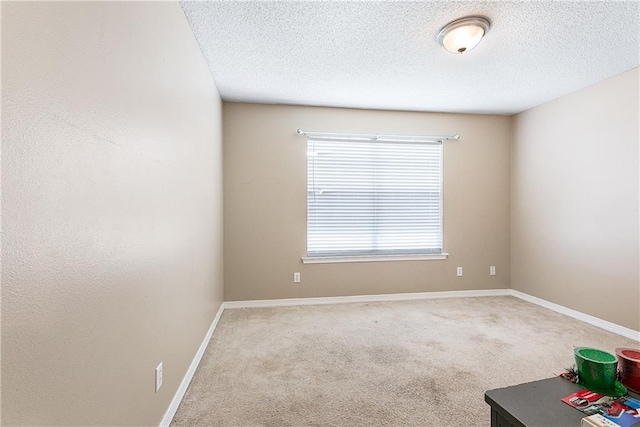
x=596, y=368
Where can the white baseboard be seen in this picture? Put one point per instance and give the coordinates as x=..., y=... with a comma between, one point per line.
x=177, y=398
x=603, y=324
x=365, y=298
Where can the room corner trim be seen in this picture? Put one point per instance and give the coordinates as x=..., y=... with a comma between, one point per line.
x=365, y=298
x=177, y=398
x=595, y=321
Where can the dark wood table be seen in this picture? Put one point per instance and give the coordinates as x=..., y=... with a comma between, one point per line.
x=534, y=404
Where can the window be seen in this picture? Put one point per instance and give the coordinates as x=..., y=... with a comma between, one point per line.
x=374, y=198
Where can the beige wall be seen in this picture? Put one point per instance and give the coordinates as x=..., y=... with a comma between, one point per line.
x=112, y=209
x=265, y=204
x=574, y=201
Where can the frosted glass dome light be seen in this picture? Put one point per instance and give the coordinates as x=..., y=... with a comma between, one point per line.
x=464, y=34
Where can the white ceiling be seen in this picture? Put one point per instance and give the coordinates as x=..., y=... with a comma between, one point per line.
x=384, y=55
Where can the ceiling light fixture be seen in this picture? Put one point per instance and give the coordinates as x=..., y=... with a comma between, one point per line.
x=463, y=34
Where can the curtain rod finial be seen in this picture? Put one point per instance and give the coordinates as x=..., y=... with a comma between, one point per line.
x=456, y=137
x=299, y=131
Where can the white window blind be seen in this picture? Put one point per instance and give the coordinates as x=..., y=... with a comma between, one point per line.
x=373, y=197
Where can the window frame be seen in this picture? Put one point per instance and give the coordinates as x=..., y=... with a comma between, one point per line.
x=401, y=256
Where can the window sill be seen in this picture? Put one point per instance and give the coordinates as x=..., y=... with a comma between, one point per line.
x=372, y=258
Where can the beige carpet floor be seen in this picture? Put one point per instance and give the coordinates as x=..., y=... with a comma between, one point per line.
x=413, y=363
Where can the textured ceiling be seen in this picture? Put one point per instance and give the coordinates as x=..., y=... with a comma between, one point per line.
x=384, y=55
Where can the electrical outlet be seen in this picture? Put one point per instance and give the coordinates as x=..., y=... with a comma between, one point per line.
x=459, y=271
x=159, y=377
x=296, y=277
x=492, y=270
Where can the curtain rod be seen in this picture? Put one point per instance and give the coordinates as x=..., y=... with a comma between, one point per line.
x=377, y=136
